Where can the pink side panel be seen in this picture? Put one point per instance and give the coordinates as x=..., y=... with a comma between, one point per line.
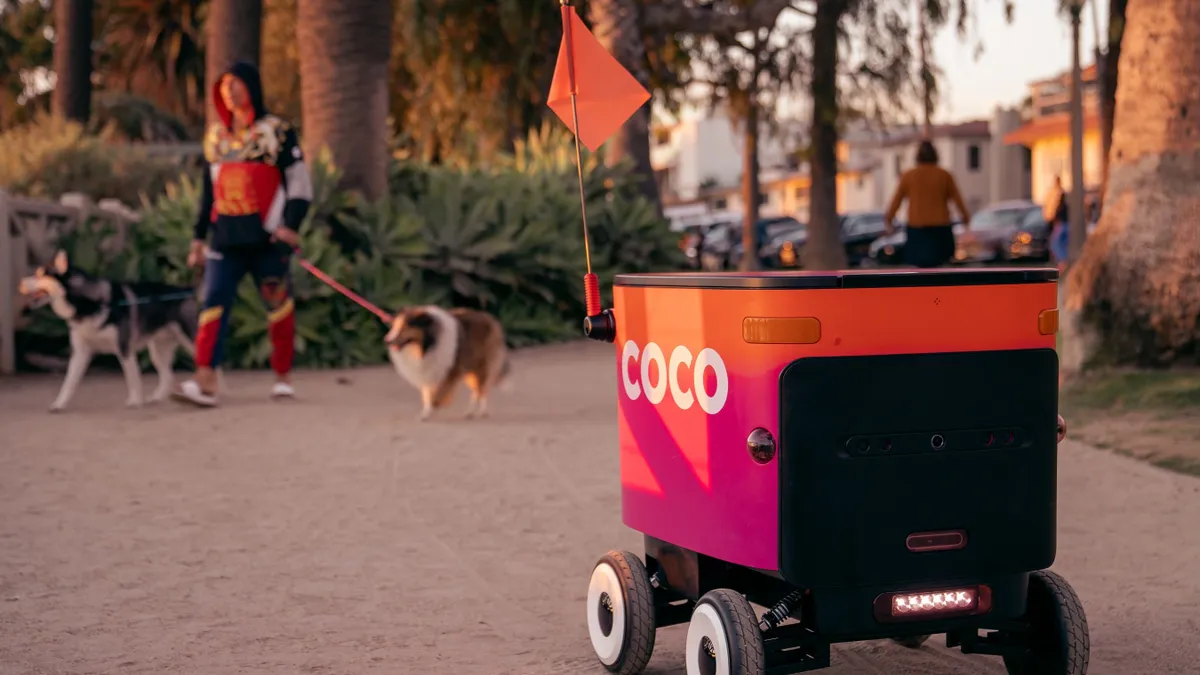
x=688, y=479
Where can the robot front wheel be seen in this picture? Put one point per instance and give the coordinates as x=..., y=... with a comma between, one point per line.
x=620, y=613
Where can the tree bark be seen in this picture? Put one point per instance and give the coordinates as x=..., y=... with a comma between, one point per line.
x=1134, y=295
x=72, y=97
x=233, y=32
x=824, y=249
x=750, y=183
x=344, y=52
x=1108, y=85
x=617, y=26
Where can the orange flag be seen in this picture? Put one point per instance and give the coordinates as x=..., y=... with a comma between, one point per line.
x=606, y=94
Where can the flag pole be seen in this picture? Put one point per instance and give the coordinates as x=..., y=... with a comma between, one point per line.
x=591, y=285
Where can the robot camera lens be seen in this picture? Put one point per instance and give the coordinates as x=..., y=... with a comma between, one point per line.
x=937, y=442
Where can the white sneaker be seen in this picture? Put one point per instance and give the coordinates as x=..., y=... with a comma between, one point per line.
x=283, y=390
x=190, y=392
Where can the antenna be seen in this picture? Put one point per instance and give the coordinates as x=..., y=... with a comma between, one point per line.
x=599, y=323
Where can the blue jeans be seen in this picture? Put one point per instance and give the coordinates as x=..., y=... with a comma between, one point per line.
x=1058, y=241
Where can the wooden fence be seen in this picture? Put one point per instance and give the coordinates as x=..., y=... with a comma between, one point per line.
x=29, y=232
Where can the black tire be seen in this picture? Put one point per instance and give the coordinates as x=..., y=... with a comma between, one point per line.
x=911, y=641
x=1058, y=630
x=724, y=616
x=621, y=613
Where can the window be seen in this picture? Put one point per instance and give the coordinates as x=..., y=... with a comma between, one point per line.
x=720, y=204
x=1026, y=159
x=763, y=198
x=973, y=157
x=802, y=193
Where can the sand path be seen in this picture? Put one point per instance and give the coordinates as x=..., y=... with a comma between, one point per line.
x=336, y=535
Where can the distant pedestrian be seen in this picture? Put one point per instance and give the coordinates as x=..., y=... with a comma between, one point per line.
x=929, y=190
x=1054, y=210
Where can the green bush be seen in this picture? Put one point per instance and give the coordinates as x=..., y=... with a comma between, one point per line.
x=506, y=239
x=51, y=156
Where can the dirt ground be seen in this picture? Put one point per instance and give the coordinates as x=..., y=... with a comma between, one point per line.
x=336, y=535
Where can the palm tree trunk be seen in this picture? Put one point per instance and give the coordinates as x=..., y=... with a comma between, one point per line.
x=617, y=26
x=345, y=47
x=233, y=32
x=750, y=184
x=1134, y=295
x=824, y=250
x=72, y=96
x=1108, y=84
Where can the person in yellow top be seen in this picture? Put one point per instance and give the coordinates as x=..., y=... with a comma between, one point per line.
x=929, y=189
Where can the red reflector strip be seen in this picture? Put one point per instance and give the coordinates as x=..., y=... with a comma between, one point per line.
x=923, y=542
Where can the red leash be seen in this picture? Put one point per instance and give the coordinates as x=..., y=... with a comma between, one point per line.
x=362, y=302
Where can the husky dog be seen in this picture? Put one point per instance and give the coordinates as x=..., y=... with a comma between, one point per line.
x=434, y=349
x=110, y=317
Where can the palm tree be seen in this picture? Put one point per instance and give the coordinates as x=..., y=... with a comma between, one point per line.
x=1134, y=294
x=344, y=58
x=152, y=48
x=233, y=32
x=824, y=250
x=615, y=25
x=73, y=59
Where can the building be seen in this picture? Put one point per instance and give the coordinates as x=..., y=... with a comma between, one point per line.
x=985, y=170
x=700, y=153
x=699, y=166
x=786, y=192
x=1047, y=132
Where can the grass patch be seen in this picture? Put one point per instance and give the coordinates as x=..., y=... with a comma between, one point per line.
x=1188, y=465
x=1160, y=392
x=1153, y=416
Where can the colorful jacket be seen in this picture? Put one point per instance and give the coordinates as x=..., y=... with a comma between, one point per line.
x=254, y=181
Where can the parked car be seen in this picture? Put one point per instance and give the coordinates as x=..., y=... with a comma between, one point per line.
x=1032, y=239
x=857, y=231
x=783, y=250
x=716, y=245
x=693, y=241
x=996, y=228
x=889, y=249
x=768, y=230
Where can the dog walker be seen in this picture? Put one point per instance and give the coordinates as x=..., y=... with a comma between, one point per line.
x=863, y=455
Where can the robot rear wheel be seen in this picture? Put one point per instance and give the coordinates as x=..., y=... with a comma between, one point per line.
x=1058, y=642
x=723, y=637
x=620, y=613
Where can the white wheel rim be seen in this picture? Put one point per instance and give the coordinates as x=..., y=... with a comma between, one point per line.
x=706, y=623
x=605, y=583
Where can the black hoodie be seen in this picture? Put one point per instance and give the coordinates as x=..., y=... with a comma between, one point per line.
x=255, y=180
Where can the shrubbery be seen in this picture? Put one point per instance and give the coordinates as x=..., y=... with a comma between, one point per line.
x=506, y=239
x=50, y=156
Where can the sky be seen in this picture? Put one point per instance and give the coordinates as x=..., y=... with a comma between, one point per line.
x=1036, y=45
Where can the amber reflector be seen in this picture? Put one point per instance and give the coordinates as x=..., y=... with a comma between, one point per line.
x=781, y=331
x=1048, y=322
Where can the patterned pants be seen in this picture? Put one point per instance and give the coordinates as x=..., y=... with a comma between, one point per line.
x=223, y=272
